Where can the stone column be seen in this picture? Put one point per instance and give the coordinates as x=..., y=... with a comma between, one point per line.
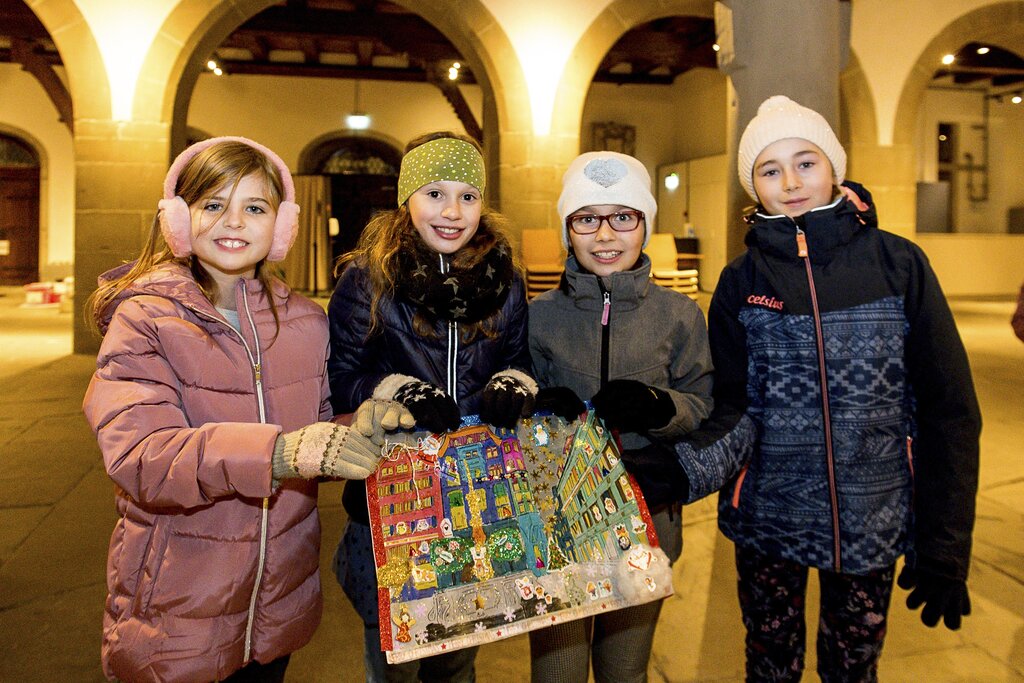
x=794, y=48
x=119, y=172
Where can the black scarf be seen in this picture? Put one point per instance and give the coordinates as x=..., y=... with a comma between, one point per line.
x=462, y=294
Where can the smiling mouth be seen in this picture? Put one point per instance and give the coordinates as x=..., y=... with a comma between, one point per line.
x=606, y=255
x=447, y=231
x=231, y=243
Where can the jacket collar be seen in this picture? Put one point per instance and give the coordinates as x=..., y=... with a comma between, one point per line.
x=826, y=229
x=626, y=289
x=173, y=280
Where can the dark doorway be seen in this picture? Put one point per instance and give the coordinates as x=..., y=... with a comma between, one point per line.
x=364, y=180
x=19, y=212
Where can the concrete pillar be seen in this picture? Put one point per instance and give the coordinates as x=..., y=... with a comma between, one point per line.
x=120, y=169
x=794, y=48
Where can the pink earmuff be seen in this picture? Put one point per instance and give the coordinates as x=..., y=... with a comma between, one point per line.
x=176, y=220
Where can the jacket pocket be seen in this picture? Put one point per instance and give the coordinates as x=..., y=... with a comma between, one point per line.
x=150, y=569
x=739, y=485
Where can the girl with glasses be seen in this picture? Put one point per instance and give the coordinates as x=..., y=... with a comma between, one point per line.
x=640, y=353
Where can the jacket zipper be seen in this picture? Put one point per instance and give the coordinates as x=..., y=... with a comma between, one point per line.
x=265, y=512
x=453, y=347
x=257, y=369
x=801, y=243
x=606, y=309
x=739, y=485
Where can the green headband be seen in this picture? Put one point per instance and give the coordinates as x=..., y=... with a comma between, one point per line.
x=441, y=159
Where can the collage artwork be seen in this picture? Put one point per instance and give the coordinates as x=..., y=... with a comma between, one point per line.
x=485, y=533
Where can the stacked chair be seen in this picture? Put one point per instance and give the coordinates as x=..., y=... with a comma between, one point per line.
x=543, y=259
x=664, y=271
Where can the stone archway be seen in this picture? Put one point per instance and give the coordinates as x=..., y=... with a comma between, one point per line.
x=999, y=24
x=615, y=20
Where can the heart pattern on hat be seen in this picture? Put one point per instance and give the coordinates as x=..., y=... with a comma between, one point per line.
x=605, y=172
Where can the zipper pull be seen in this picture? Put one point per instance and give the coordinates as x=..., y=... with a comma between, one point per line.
x=606, y=309
x=259, y=372
x=801, y=243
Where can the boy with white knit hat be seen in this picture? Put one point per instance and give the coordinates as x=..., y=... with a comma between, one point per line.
x=845, y=430
x=639, y=352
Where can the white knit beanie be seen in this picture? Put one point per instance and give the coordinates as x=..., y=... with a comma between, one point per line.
x=779, y=118
x=596, y=178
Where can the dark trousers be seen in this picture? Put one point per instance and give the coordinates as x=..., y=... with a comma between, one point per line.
x=851, y=627
x=254, y=672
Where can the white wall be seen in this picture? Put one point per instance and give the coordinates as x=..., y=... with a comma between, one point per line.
x=287, y=113
x=1006, y=174
x=26, y=112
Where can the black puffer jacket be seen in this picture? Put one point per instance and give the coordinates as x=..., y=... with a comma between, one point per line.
x=359, y=361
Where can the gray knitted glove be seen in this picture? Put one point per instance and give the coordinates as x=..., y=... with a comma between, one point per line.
x=375, y=416
x=324, y=449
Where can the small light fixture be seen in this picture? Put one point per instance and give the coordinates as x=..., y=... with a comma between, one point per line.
x=942, y=138
x=1016, y=99
x=672, y=181
x=357, y=120
x=453, y=71
x=214, y=67
x=716, y=47
x=948, y=59
x=983, y=50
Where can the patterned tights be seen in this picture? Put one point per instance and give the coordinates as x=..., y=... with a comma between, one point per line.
x=851, y=628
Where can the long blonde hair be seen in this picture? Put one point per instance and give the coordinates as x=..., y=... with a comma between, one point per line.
x=224, y=163
x=381, y=240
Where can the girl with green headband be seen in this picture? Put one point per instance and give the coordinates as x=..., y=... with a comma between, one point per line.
x=429, y=311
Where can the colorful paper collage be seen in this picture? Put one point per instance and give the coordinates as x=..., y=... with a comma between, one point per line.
x=484, y=533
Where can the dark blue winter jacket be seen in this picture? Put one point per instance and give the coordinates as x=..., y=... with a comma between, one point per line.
x=360, y=360
x=845, y=429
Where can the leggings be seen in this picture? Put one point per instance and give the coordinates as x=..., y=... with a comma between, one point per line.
x=851, y=627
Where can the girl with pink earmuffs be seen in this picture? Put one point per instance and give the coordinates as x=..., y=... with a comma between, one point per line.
x=207, y=402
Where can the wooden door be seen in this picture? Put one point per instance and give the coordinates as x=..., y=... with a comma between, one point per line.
x=19, y=225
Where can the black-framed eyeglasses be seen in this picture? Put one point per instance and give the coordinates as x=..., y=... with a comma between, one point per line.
x=620, y=221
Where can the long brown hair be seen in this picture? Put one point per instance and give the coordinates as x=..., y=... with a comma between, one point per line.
x=221, y=164
x=381, y=240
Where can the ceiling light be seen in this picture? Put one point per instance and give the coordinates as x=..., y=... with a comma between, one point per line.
x=983, y=50
x=217, y=71
x=672, y=181
x=456, y=65
x=1016, y=99
x=211, y=65
x=942, y=138
x=716, y=47
x=453, y=74
x=948, y=59
x=357, y=120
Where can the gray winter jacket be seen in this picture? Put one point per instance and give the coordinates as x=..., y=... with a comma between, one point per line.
x=654, y=335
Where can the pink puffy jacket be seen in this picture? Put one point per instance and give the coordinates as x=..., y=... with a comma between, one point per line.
x=209, y=567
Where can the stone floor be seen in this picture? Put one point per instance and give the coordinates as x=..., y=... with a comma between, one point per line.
x=56, y=514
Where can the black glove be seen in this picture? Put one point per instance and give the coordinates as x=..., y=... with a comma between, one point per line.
x=658, y=472
x=562, y=401
x=941, y=596
x=433, y=409
x=631, y=406
x=503, y=401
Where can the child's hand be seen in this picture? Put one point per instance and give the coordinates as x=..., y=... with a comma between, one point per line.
x=562, y=401
x=505, y=398
x=941, y=596
x=324, y=449
x=432, y=407
x=374, y=417
x=631, y=406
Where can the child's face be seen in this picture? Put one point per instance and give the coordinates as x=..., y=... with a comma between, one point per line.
x=792, y=176
x=607, y=251
x=232, y=230
x=446, y=214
